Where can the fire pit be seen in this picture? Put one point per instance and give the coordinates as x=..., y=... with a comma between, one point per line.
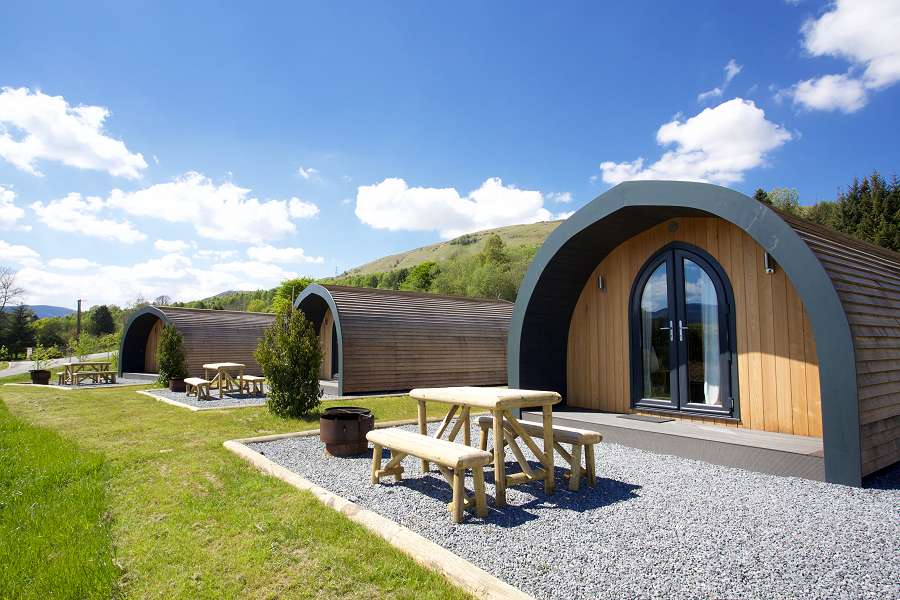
x=343, y=429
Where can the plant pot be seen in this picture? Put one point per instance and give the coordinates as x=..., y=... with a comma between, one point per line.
x=40, y=377
x=176, y=385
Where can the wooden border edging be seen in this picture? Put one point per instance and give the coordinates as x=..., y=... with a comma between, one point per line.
x=458, y=570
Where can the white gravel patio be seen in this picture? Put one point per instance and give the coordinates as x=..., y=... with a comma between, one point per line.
x=229, y=399
x=655, y=526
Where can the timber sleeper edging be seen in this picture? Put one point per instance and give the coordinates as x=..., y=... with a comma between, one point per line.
x=459, y=571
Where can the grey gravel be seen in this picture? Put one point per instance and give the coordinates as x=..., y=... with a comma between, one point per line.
x=120, y=381
x=229, y=399
x=655, y=526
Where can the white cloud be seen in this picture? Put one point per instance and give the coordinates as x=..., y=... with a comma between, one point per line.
x=271, y=254
x=173, y=275
x=731, y=71
x=560, y=197
x=718, y=145
x=18, y=254
x=301, y=209
x=78, y=214
x=830, y=92
x=393, y=205
x=863, y=32
x=169, y=246
x=215, y=254
x=35, y=126
x=72, y=264
x=308, y=173
x=10, y=214
x=564, y=215
x=218, y=211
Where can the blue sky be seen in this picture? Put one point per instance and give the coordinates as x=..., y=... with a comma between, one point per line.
x=158, y=149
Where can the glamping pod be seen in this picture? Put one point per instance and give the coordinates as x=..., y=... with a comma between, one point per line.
x=689, y=319
x=209, y=336
x=385, y=340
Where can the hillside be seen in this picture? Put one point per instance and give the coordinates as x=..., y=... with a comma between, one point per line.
x=44, y=310
x=466, y=245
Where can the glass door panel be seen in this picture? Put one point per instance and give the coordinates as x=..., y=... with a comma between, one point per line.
x=700, y=335
x=656, y=336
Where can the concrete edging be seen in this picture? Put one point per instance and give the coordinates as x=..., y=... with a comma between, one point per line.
x=73, y=389
x=458, y=570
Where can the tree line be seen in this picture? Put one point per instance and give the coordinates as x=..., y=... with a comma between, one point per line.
x=869, y=209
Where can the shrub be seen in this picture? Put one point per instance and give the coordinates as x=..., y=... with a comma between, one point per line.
x=289, y=355
x=170, y=355
x=40, y=357
x=83, y=346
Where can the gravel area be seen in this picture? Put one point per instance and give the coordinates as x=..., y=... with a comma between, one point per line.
x=230, y=399
x=120, y=381
x=655, y=526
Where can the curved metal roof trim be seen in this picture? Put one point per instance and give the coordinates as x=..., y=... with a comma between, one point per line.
x=314, y=289
x=834, y=343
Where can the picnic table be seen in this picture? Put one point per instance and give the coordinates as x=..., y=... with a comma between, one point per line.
x=500, y=402
x=76, y=372
x=223, y=378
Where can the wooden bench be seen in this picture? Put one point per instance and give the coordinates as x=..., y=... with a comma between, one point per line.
x=95, y=376
x=253, y=384
x=581, y=440
x=197, y=385
x=451, y=459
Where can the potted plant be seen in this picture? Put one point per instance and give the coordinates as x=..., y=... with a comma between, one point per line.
x=40, y=374
x=170, y=358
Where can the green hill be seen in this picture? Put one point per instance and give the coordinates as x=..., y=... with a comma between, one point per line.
x=513, y=236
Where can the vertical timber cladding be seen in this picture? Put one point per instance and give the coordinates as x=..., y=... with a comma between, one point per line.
x=402, y=340
x=867, y=281
x=150, y=365
x=778, y=374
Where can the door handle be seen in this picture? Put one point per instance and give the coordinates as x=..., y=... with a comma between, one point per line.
x=671, y=330
x=681, y=329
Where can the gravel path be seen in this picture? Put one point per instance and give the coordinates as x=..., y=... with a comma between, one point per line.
x=654, y=527
x=230, y=399
x=120, y=381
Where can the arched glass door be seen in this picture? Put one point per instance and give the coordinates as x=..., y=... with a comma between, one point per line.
x=681, y=323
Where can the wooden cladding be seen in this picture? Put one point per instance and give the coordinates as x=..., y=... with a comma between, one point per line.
x=150, y=365
x=402, y=340
x=778, y=374
x=867, y=280
x=219, y=336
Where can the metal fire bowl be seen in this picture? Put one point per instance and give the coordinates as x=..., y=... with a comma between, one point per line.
x=343, y=430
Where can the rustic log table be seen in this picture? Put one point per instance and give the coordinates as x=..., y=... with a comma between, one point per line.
x=224, y=379
x=500, y=402
x=76, y=372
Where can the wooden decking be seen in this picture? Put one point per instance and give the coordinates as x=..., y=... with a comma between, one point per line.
x=761, y=451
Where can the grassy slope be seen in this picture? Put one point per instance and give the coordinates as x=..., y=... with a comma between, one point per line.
x=513, y=235
x=51, y=494
x=189, y=519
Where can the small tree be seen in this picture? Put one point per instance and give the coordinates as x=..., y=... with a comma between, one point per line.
x=289, y=355
x=170, y=355
x=101, y=321
x=761, y=196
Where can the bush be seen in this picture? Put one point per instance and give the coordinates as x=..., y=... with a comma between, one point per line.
x=170, y=355
x=289, y=355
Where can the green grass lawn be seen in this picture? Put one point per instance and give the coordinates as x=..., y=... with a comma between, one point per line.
x=114, y=493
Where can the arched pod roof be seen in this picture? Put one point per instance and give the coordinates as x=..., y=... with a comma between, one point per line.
x=839, y=279
x=209, y=336
x=395, y=340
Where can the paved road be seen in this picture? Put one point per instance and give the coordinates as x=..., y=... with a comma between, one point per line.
x=23, y=366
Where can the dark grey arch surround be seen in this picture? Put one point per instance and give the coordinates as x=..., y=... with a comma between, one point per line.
x=311, y=301
x=135, y=338
x=538, y=334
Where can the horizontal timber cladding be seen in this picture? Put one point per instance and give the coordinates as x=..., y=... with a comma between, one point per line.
x=392, y=340
x=867, y=280
x=778, y=373
x=209, y=335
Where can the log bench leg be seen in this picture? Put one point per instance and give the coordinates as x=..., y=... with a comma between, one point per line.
x=376, y=462
x=480, y=501
x=483, y=439
x=591, y=465
x=459, y=494
x=575, y=465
